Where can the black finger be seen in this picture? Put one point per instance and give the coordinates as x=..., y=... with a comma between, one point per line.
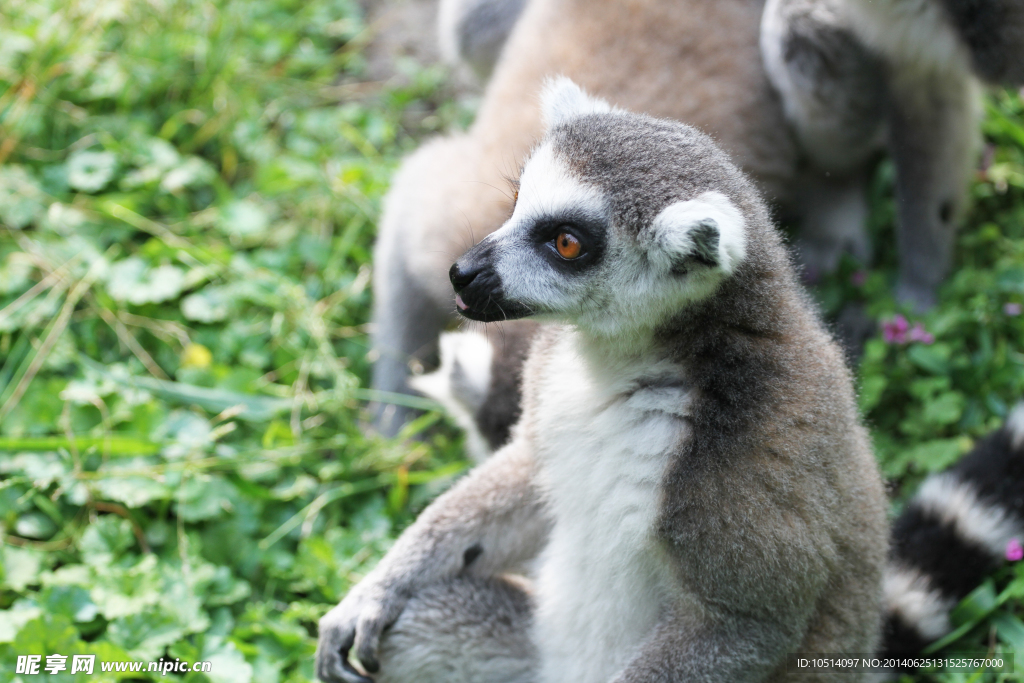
x=346, y=644
x=348, y=672
x=370, y=664
x=366, y=653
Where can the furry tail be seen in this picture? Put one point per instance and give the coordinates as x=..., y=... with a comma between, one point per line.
x=952, y=534
x=478, y=382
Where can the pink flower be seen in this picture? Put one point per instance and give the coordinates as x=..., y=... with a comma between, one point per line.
x=1012, y=310
x=898, y=331
x=1014, y=551
x=895, y=331
x=858, y=278
x=919, y=334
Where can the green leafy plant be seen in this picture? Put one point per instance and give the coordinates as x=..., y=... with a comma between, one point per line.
x=188, y=192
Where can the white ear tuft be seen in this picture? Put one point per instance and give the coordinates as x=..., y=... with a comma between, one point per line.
x=708, y=228
x=563, y=100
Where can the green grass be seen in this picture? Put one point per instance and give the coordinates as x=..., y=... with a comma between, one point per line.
x=188, y=196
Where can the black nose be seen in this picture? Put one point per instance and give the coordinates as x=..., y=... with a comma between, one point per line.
x=462, y=274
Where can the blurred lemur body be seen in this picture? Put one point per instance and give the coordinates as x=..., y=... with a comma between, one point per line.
x=689, y=491
x=804, y=94
x=474, y=31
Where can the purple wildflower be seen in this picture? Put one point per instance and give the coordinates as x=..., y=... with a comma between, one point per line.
x=919, y=334
x=1014, y=550
x=858, y=278
x=1012, y=309
x=899, y=331
x=895, y=331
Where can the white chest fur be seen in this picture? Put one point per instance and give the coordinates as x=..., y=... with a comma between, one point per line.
x=603, y=442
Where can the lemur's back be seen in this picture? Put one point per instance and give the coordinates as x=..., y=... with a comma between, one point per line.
x=700, y=61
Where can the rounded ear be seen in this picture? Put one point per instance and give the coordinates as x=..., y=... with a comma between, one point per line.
x=562, y=100
x=707, y=229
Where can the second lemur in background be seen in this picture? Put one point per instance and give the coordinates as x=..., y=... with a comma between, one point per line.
x=903, y=72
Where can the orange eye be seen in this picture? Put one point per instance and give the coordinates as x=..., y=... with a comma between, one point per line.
x=568, y=246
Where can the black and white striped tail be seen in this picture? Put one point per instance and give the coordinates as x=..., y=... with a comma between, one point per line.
x=951, y=535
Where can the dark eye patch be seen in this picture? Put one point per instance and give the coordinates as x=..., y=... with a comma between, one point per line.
x=590, y=231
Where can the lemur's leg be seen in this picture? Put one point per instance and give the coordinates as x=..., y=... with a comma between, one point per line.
x=466, y=630
x=439, y=205
x=406, y=324
x=833, y=222
x=475, y=31
x=833, y=94
x=933, y=139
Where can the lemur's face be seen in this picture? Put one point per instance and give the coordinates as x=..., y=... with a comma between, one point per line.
x=573, y=250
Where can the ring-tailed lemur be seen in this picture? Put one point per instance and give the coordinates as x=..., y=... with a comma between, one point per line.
x=990, y=34
x=689, y=487
x=804, y=95
x=951, y=535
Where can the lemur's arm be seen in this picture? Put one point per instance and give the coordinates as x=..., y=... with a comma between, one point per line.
x=933, y=134
x=491, y=521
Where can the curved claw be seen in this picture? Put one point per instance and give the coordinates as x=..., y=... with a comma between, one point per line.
x=332, y=665
x=350, y=675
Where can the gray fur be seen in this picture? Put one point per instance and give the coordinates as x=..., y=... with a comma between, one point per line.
x=464, y=629
x=841, y=94
x=394, y=337
x=474, y=31
x=933, y=139
x=768, y=532
x=407, y=316
x=836, y=88
x=833, y=90
x=497, y=506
